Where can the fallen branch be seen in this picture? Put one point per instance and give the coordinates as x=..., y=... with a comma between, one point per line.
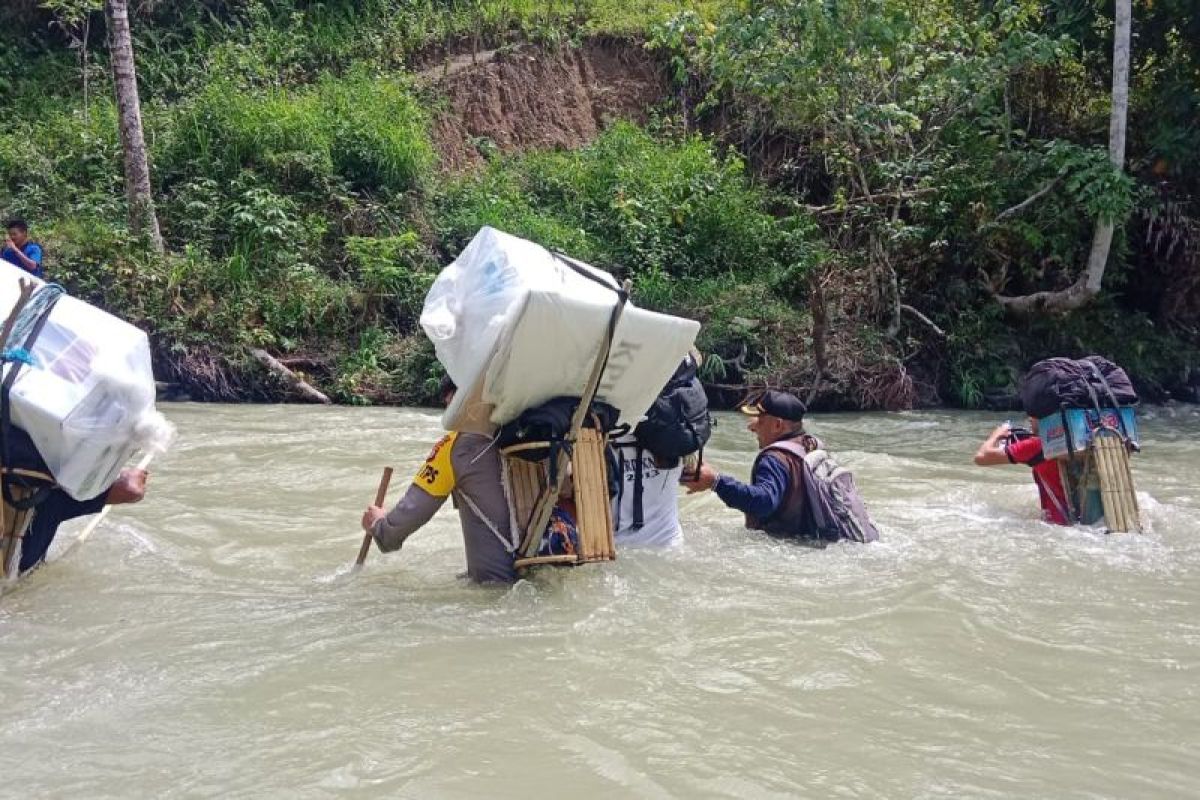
x=299, y=384
x=303, y=361
x=941, y=334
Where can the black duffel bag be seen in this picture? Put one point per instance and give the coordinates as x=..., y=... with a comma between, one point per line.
x=545, y=428
x=1091, y=382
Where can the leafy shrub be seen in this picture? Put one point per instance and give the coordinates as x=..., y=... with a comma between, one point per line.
x=662, y=210
x=368, y=132
x=393, y=273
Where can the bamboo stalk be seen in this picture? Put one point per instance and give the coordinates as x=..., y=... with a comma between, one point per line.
x=1118, y=460
x=380, y=497
x=1112, y=511
x=1116, y=483
x=1137, y=511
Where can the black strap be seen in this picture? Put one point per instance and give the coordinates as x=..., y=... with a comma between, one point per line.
x=578, y=267
x=7, y=479
x=620, y=488
x=1111, y=397
x=638, y=513
x=1062, y=411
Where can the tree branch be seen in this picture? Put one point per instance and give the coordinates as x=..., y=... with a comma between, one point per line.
x=1061, y=301
x=1047, y=187
x=941, y=334
x=837, y=208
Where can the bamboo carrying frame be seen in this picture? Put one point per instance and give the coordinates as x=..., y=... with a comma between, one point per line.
x=14, y=523
x=532, y=495
x=1106, y=465
x=526, y=481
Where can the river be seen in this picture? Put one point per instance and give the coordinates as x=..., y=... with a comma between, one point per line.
x=211, y=643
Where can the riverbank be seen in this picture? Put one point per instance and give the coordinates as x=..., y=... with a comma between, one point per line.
x=316, y=165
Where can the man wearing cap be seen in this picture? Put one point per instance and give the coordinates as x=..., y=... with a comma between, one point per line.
x=784, y=496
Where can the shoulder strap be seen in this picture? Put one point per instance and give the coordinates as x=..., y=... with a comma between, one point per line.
x=510, y=546
x=1045, y=487
x=639, y=520
x=788, y=446
x=1112, y=398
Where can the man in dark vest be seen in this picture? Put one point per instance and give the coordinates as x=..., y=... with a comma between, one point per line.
x=774, y=499
x=795, y=489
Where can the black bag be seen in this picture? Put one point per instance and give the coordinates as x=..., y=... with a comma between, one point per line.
x=1092, y=382
x=547, y=426
x=678, y=423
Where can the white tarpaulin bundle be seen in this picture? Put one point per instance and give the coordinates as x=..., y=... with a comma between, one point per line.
x=85, y=392
x=515, y=326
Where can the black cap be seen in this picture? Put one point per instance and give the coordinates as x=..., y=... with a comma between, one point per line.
x=783, y=405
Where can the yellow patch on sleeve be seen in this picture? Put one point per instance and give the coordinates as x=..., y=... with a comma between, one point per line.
x=436, y=475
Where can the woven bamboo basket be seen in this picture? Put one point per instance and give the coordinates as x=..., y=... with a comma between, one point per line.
x=525, y=481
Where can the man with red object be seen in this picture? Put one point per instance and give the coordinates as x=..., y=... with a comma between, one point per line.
x=1009, y=445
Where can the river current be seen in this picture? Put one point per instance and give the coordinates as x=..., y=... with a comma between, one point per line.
x=210, y=642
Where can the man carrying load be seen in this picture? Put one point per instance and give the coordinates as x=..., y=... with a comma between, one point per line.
x=53, y=506
x=467, y=466
x=1009, y=445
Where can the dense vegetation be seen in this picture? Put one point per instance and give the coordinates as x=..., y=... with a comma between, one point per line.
x=840, y=191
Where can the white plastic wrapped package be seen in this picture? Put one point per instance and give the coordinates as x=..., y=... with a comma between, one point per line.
x=87, y=398
x=515, y=326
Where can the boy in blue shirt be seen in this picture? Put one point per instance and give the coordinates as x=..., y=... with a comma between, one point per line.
x=20, y=251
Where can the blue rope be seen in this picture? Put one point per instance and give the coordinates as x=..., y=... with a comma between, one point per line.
x=18, y=354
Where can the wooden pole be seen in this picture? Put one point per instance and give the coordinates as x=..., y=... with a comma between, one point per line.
x=380, y=497
x=1127, y=468
x=96, y=520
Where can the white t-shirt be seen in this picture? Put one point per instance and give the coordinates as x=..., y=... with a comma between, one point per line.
x=660, y=501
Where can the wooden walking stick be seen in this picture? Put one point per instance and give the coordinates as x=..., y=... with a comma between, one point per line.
x=380, y=497
x=95, y=523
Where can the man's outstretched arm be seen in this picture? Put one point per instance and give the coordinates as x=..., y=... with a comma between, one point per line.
x=992, y=452
x=391, y=528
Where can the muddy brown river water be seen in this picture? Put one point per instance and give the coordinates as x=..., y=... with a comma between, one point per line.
x=210, y=643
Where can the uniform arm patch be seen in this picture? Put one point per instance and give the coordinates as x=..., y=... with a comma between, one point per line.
x=436, y=475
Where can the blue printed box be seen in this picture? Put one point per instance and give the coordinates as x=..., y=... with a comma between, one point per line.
x=1080, y=422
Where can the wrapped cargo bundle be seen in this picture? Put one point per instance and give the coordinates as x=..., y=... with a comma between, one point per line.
x=516, y=325
x=83, y=389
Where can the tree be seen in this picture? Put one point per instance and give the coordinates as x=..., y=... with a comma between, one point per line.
x=1088, y=285
x=74, y=17
x=143, y=220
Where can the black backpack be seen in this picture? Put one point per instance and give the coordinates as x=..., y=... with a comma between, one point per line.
x=678, y=423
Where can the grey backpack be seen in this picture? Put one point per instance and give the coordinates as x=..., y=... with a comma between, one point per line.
x=833, y=498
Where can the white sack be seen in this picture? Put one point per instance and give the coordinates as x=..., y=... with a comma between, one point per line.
x=87, y=400
x=514, y=327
